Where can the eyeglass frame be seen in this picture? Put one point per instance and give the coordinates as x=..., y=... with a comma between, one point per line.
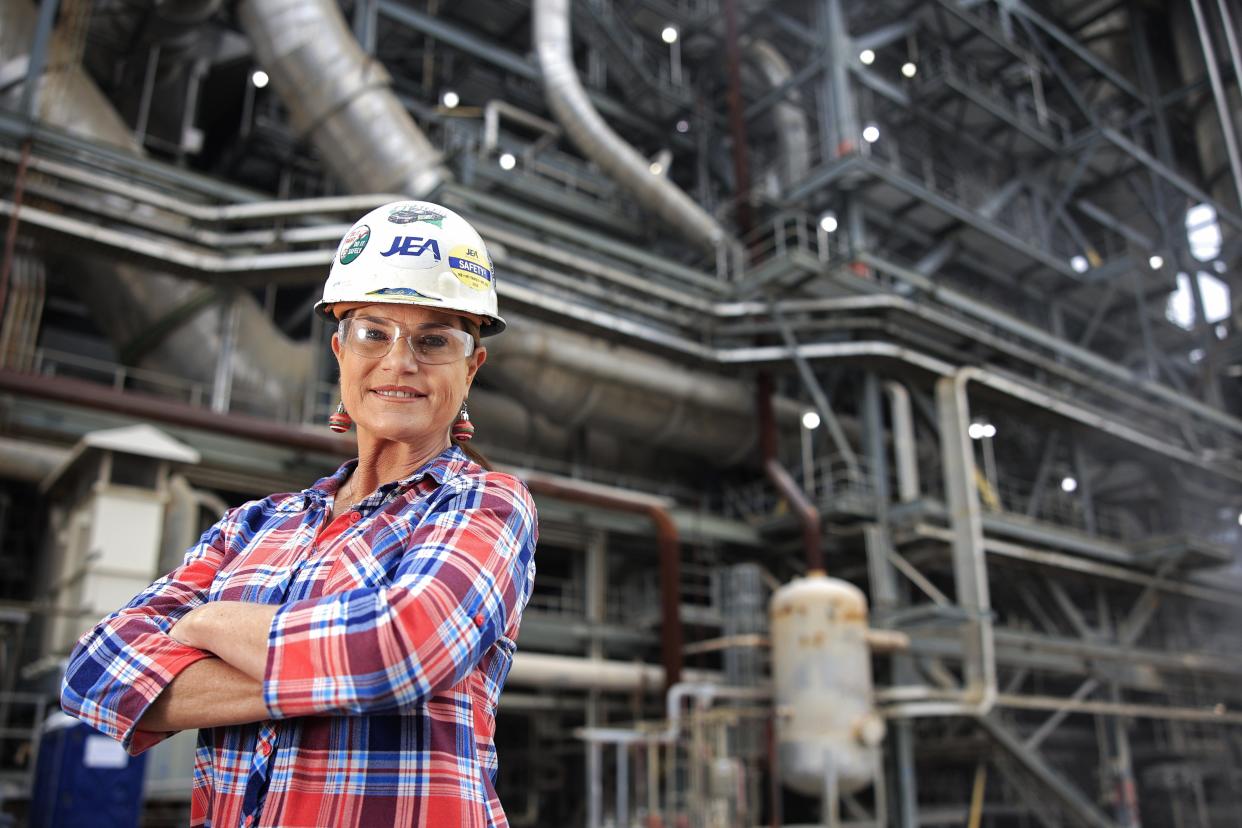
x=465, y=337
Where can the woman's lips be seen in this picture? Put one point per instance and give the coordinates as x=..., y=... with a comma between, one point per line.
x=398, y=395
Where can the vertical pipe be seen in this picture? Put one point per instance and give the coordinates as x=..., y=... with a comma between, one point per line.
x=222, y=387
x=623, y=785
x=808, y=515
x=904, y=443
x=1218, y=93
x=595, y=792
x=10, y=237
x=737, y=121
x=667, y=542
x=970, y=576
x=148, y=88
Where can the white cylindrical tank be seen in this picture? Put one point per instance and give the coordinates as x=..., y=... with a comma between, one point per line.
x=821, y=669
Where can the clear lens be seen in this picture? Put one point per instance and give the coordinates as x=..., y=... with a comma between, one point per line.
x=373, y=338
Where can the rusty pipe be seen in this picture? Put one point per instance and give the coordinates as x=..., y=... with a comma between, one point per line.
x=667, y=541
x=807, y=512
x=147, y=407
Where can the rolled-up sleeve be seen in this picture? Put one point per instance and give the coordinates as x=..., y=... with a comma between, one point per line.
x=464, y=577
x=119, y=667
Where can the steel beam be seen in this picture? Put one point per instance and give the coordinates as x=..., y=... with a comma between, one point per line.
x=1052, y=779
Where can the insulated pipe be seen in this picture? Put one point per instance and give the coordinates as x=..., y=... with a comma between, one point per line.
x=572, y=673
x=569, y=103
x=666, y=539
x=789, y=114
x=268, y=369
x=808, y=514
x=904, y=445
x=27, y=461
x=339, y=97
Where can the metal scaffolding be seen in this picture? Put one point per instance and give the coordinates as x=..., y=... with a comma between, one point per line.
x=956, y=231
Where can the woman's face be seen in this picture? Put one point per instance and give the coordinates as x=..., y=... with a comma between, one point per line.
x=437, y=390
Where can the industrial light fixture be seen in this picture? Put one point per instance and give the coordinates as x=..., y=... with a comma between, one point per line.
x=867, y=57
x=259, y=78
x=450, y=99
x=1156, y=262
x=828, y=222
x=1240, y=518
x=507, y=161
x=656, y=168
x=810, y=420
x=871, y=133
x=683, y=126
x=1079, y=264
x=980, y=430
x=670, y=35
x=909, y=69
x=1069, y=484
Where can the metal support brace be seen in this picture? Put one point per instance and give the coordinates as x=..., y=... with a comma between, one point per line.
x=38, y=57
x=1064, y=790
x=839, y=440
x=222, y=387
x=1218, y=93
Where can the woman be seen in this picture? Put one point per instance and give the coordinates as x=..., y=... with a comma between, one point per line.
x=342, y=648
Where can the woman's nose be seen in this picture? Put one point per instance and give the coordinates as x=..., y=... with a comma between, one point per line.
x=401, y=357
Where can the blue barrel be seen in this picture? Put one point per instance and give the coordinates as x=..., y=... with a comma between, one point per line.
x=84, y=779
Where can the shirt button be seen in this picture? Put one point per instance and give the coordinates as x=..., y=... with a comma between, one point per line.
x=265, y=749
x=478, y=620
x=354, y=517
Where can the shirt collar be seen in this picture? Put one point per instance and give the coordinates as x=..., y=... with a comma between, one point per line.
x=449, y=463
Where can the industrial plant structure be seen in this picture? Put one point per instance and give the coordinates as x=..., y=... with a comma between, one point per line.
x=874, y=365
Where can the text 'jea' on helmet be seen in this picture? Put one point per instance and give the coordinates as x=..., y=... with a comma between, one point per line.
x=415, y=253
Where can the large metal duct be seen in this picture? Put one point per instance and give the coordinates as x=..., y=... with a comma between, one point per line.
x=789, y=115
x=269, y=371
x=338, y=97
x=584, y=125
x=573, y=378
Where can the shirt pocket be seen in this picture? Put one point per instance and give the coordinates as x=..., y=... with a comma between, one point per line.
x=261, y=573
x=367, y=558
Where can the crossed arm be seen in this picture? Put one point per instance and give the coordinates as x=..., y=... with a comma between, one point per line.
x=172, y=660
x=226, y=689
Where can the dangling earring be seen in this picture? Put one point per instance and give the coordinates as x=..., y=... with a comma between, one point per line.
x=463, y=429
x=340, y=422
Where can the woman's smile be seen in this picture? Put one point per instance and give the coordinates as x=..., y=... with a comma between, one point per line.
x=398, y=393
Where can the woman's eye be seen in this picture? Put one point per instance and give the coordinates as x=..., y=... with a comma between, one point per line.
x=433, y=342
x=374, y=334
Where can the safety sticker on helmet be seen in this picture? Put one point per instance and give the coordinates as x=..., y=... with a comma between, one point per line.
x=410, y=213
x=354, y=243
x=408, y=294
x=472, y=268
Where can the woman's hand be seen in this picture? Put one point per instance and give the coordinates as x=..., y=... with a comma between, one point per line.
x=234, y=631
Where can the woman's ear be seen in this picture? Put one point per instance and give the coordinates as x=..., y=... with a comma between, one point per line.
x=336, y=347
x=473, y=364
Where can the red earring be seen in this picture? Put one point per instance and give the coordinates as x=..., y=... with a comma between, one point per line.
x=463, y=429
x=340, y=422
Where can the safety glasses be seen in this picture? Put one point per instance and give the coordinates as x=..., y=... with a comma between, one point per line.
x=373, y=337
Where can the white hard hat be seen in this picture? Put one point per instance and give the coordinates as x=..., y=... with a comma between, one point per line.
x=416, y=253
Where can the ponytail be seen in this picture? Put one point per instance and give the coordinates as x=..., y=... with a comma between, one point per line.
x=474, y=454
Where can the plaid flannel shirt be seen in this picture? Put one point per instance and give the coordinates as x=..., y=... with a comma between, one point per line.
x=394, y=636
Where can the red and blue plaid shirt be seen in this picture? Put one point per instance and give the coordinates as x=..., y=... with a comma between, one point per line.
x=394, y=636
